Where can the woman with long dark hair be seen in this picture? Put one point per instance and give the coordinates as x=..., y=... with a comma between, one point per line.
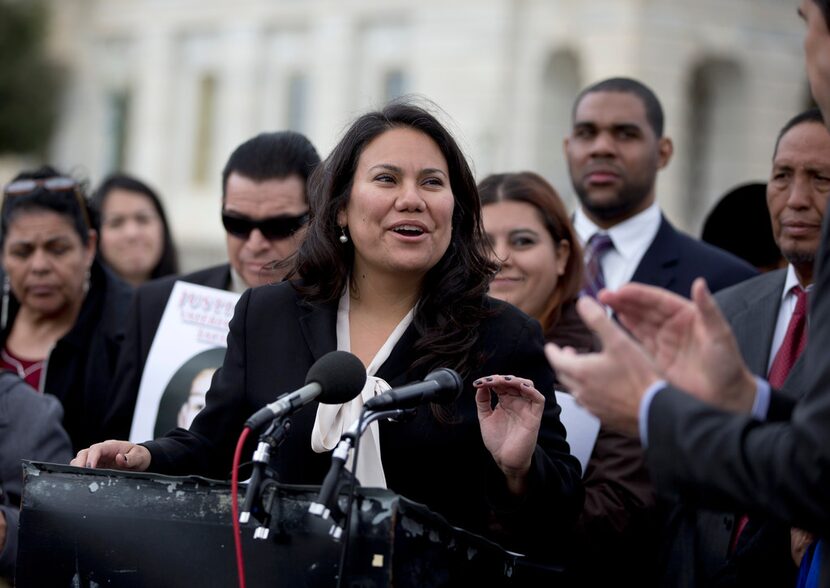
x=135, y=240
x=540, y=271
x=394, y=269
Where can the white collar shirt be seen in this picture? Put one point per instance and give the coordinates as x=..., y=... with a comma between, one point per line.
x=631, y=239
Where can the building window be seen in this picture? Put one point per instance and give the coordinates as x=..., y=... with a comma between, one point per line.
x=297, y=115
x=561, y=82
x=394, y=85
x=205, y=114
x=716, y=128
x=118, y=113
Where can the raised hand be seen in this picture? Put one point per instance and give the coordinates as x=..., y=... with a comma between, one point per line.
x=610, y=383
x=510, y=429
x=689, y=340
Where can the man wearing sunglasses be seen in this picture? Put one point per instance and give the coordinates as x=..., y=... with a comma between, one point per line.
x=264, y=212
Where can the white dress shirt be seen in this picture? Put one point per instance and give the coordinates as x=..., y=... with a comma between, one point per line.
x=333, y=420
x=631, y=239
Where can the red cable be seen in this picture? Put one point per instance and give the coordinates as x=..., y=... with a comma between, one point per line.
x=237, y=539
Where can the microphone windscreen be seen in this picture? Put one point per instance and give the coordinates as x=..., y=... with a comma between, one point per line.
x=450, y=383
x=340, y=374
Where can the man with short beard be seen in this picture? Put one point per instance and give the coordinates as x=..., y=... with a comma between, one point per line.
x=730, y=548
x=614, y=152
x=715, y=434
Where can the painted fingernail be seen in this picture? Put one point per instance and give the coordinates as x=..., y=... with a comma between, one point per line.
x=477, y=382
x=89, y=464
x=508, y=378
x=489, y=378
x=525, y=384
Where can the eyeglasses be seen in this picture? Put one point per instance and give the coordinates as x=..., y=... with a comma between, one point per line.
x=272, y=228
x=55, y=184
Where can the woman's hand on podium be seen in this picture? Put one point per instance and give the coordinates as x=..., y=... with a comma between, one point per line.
x=116, y=455
x=510, y=429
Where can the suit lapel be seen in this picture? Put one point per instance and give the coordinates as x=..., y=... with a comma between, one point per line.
x=796, y=383
x=220, y=278
x=755, y=326
x=396, y=367
x=318, y=324
x=658, y=266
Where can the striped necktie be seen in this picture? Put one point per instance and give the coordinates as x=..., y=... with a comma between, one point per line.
x=598, y=245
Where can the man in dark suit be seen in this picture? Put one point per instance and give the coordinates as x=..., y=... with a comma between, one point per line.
x=715, y=435
x=615, y=150
x=725, y=551
x=264, y=212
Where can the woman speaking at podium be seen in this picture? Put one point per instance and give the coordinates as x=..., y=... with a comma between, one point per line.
x=395, y=270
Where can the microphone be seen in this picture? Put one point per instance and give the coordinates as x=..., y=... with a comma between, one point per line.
x=441, y=386
x=335, y=378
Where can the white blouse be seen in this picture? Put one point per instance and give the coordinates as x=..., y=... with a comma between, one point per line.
x=334, y=419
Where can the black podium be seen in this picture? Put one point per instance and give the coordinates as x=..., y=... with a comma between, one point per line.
x=83, y=527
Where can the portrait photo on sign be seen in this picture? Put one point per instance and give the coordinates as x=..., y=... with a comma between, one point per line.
x=184, y=395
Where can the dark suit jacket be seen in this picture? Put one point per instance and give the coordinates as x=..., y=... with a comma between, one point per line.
x=620, y=524
x=80, y=368
x=762, y=555
x=274, y=338
x=674, y=260
x=733, y=462
x=143, y=321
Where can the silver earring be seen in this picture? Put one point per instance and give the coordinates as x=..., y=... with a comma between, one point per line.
x=343, y=238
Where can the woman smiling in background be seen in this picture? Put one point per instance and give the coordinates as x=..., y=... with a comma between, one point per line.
x=541, y=272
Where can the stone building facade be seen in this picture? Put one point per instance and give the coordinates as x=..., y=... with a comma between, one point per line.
x=165, y=89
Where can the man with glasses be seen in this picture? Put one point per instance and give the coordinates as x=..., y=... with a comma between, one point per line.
x=264, y=212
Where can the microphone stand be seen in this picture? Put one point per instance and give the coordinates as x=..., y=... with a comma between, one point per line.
x=270, y=440
x=339, y=477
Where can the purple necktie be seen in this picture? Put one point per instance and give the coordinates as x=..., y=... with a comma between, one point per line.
x=597, y=247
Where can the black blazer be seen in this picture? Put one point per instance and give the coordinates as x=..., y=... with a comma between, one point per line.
x=142, y=322
x=80, y=367
x=700, y=552
x=274, y=338
x=732, y=462
x=621, y=524
x=674, y=260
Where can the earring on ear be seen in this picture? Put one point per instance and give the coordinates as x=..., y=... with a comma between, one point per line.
x=87, y=278
x=343, y=238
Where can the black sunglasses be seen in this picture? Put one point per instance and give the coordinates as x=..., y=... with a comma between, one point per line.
x=55, y=184
x=272, y=228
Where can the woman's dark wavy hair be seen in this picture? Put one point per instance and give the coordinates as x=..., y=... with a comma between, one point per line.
x=72, y=205
x=534, y=190
x=168, y=264
x=452, y=294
